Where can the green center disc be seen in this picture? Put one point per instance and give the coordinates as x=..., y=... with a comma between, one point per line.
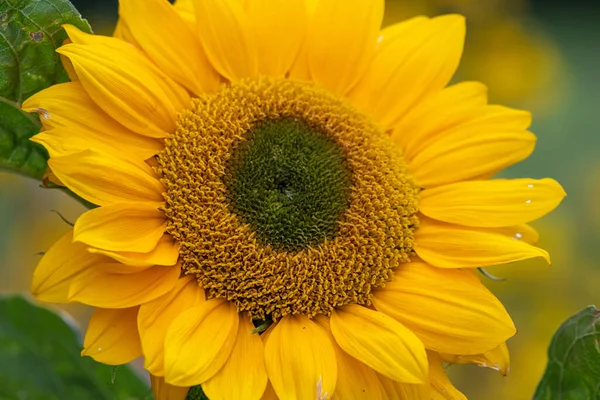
x=290, y=182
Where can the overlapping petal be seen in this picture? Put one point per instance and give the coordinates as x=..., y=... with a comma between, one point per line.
x=441, y=387
x=228, y=38
x=280, y=29
x=186, y=63
x=125, y=84
x=450, y=246
x=521, y=232
x=448, y=309
x=380, y=342
x=355, y=380
x=460, y=155
x=243, y=377
x=99, y=288
x=417, y=60
x=91, y=174
x=165, y=391
x=497, y=359
x=166, y=252
x=55, y=272
x=199, y=342
x=75, y=123
x=399, y=390
x=437, y=114
x=269, y=393
x=129, y=227
x=339, y=49
x=58, y=271
x=156, y=316
x=300, y=359
x=492, y=203
x=185, y=8
x=112, y=336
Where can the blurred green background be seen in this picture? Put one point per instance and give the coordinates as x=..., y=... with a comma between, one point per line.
x=543, y=56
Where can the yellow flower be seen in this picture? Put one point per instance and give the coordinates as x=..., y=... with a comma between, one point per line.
x=292, y=201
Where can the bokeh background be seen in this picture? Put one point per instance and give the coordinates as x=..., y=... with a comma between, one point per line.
x=543, y=56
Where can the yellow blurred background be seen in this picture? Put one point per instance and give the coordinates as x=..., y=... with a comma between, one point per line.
x=542, y=56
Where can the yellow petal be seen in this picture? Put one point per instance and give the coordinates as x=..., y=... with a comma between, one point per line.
x=199, y=342
x=280, y=29
x=493, y=203
x=177, y=95
x=243, y=377
x=450, y=246
x=521, y=232
x=435, y=115
x=57, y=269
x=123, y=32
x=497, y=359
x=164, y=391
x=65, y=141
x=300, y=359
x=416, y=62
x=156, y=316
x=186, y=63
x=112, y=336
x=75, y=123
x=185, y=8
x=104, y=179
x=498, y=118
x=446, y=308
x=460, y=155
x=125, y=84
x=355, y=380
x=380, y=342
x=341, y=40
x=269, y=393
x=99, y=288
x=404, y=391
x=165, y=253
x=227, y=36
x=130, y=227
x=68, y=65
x=441, y=387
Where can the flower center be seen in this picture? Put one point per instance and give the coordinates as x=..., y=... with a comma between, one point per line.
x=285, y=199
x=289, y=182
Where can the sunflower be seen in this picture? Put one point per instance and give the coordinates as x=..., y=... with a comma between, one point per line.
x=292, y=202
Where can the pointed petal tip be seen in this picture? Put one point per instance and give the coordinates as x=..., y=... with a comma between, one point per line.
x=69, y=28
x=560, y=191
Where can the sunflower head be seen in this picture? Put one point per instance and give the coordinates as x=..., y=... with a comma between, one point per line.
x=292, y=200
x=279, y=173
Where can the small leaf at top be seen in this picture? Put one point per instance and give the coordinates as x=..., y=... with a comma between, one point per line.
x=573, y=370
x=30, y=32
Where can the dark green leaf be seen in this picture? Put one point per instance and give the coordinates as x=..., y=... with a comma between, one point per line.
x=196, y=393
x=17, y=153
x=573, y=371
x=40, y=360
x=30, y=32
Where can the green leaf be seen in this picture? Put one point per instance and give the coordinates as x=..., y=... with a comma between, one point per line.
x=30, y=32
x=40, y=360
x=573, y=371
x=196, y=393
